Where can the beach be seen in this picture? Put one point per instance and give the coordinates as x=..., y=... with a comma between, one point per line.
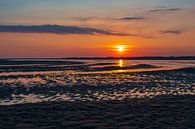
x=162, y=112
x=103, y=95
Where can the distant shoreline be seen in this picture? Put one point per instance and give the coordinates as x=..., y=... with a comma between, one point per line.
x=137, y=58
x=114, y=58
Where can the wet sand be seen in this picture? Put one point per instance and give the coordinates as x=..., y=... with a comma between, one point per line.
x=160, y=112
x=75, y=98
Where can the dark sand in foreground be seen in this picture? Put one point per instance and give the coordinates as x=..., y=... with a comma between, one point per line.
x=161, y=112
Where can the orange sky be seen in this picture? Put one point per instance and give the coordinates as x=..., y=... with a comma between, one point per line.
x=148, y=29
x=51, y=45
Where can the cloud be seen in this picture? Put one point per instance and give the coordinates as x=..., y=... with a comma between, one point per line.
x=57, y=29
x=176, y=32
x=130, y=18
x=162, y=10
x=88, y=18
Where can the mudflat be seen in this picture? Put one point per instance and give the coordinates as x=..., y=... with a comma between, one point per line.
x=160, y=112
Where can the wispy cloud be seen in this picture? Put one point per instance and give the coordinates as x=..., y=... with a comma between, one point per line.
x=163, y=10
x=176, y=32
x=89, y=18
x=142, y=17
x=129, y=18
x=57, y=29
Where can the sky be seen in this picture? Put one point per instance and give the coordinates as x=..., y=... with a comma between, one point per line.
x=95, y=28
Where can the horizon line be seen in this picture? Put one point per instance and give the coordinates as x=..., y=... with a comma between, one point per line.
x=106, y=57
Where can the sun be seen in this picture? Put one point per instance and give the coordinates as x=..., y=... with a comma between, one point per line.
x=121, y=48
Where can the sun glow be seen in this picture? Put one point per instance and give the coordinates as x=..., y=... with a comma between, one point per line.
x=121, y=48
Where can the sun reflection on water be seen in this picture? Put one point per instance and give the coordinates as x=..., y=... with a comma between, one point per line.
x=121, y=63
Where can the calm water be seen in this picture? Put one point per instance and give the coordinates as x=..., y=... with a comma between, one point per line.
x=163, y=65
x=93, y=80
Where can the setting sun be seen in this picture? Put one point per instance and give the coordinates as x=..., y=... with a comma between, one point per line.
x=121, y=48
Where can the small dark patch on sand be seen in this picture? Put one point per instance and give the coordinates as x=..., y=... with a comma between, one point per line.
x=138, y=66
x=23, y=62
x=187, y=70
x=37, y=65
x=102, y=64
x=161, y=112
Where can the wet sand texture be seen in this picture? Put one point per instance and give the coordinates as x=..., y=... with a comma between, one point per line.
x=161, y=112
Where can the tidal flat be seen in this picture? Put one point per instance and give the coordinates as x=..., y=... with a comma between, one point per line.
x=102, y=94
